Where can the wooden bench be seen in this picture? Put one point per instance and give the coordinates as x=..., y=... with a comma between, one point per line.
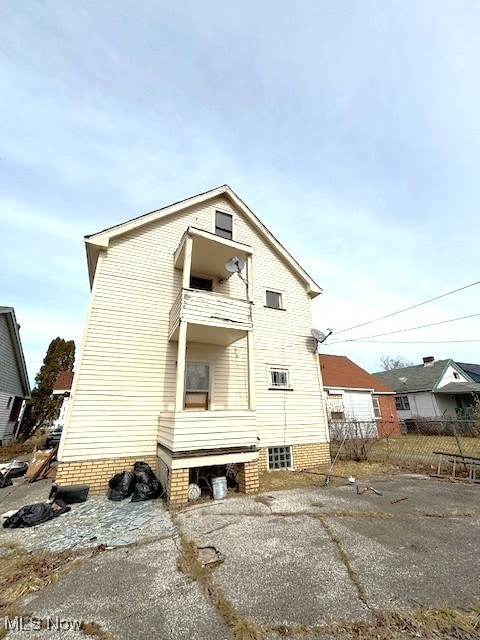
x=471, y=465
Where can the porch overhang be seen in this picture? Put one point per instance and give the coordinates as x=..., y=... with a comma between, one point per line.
x=210, y=253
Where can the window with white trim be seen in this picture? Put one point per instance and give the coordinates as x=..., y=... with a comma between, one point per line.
x=376, y=407
x=223, y=225
x=280, y=457
x=402, y=403
x=273, y=299
x=279, y=378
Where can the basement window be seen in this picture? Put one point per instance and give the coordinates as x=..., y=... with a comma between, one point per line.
x=223, y=225
x=279, y=457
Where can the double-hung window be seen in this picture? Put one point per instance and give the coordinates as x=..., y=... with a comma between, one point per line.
x=376, y=408
x=223, y=225
x=402, y=403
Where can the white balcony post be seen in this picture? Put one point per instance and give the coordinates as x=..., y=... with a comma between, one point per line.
x=251, y=371
x=187, y=262
x=249, y=279
x=181, y=355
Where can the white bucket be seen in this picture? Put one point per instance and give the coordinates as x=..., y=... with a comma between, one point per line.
x=219, y=487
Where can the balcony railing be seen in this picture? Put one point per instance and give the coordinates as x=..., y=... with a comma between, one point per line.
x=210, y=310
x=183, y=431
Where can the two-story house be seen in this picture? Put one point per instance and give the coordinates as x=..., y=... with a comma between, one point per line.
x=196, y=351
x=14, y=384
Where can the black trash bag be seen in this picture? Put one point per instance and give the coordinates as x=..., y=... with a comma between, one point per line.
x=121, y=485
x=147, y=485
x=5, y=480
x=32, y=514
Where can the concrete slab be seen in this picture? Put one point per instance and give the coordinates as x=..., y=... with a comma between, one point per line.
x=410, y=561
x=280, y=570
x=132, y=593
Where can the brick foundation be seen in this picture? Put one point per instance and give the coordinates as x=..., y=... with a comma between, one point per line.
x=177, y=487
x=97, y=473
x=248, y=477
x=304, y=455
x=311, y=455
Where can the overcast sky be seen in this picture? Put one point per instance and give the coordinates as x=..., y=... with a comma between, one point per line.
x=350, y=128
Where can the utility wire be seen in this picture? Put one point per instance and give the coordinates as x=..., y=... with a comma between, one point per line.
x=403, y=342
x=408, y=308
x=423, y=326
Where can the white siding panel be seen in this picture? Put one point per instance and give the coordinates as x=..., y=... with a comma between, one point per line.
x=127, y=368
x=10, y=381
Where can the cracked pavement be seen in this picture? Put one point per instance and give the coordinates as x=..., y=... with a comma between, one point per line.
x=295, y=559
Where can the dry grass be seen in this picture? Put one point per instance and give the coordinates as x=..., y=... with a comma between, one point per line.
x=22, y=572
x=315, y=476
x=11, y=451
x=423, y=444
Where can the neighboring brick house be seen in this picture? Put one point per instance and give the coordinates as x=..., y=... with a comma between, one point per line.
x=353, y=394
x=61, y=389
x=14, y=384
x=196, y=352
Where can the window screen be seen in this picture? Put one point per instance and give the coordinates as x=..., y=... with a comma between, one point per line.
x=279, y=457
x=223, y=225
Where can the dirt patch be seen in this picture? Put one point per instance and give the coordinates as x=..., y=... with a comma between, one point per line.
x=315, y=476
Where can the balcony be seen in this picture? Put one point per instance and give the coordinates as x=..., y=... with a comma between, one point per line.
x=207, y=432
x=212, y=318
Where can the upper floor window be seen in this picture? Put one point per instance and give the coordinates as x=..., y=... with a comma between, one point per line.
x=456, y=375
x=402, y=403
x=376, y=407
x=273, y=300
x=279, y=378
x=223, y=224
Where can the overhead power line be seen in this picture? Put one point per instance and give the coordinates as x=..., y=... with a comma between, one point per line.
x=403, y=342
x=395, y=313
x=423, y=326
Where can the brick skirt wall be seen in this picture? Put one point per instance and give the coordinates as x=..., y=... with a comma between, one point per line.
x=304, y=455
x=97, y=473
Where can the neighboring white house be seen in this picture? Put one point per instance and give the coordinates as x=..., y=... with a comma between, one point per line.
x=14, y=385
x=354, y=396
x=434, y=389
x=186, y=362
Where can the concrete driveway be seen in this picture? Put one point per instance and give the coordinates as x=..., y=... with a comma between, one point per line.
x=295, y=562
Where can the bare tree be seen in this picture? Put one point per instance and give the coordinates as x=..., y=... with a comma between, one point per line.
x=394, y=362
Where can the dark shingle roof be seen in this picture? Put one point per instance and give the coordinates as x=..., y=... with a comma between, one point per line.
x=418, y=377
x=473, y=370
x=459, y=387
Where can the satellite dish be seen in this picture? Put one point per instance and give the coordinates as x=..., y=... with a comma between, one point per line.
x=235, y=265
x=318, y=335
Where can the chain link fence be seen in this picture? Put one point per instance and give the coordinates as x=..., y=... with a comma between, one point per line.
x=408, y=444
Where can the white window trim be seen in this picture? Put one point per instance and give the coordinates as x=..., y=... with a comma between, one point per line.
x=377, y=401
x=281, y=368
x=225, y=213
x=210, y=382
x=282, y=299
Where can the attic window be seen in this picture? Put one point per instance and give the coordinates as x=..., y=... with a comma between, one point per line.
x=456, y=375
x=273, y=299
x=223, y=225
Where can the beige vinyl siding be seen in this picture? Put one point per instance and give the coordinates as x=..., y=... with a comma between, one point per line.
x=127, y=367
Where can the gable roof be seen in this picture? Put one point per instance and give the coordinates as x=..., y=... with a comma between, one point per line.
x=341, y=372
x=418, y=377
x=13, y=327
x=98, y=241
x=63, y=381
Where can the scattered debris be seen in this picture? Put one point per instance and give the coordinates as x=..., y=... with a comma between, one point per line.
x=41, y=464
x=32, y=514
x=398, y=500
x=70, y=495
x=360, y=491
